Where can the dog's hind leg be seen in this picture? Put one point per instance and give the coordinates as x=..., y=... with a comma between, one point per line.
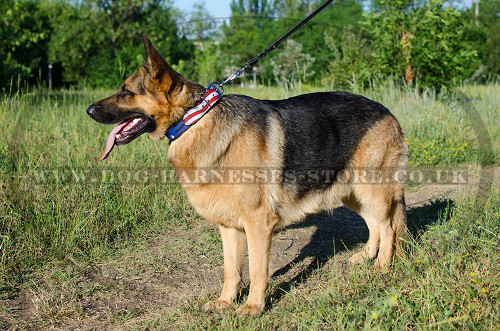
x=373, y=202
x=371, y=248
x=386, y=244
x=383, y=209
x=234, y=247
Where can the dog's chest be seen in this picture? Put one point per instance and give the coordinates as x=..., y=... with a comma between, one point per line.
x=220, y=204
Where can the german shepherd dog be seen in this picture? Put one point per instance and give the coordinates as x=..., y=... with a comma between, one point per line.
x=302, y=138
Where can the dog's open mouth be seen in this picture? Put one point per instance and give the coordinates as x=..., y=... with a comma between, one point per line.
x=127, y=131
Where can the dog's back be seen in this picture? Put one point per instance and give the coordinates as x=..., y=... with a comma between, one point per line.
x=322, y=131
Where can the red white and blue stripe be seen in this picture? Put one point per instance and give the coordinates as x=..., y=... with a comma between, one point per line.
x=207, y=102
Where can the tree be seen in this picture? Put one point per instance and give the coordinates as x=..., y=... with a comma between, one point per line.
x=489, y=19
x=483, y=34
x=292, y=66
x=434, y=46
x=24, y=34
x=330, y=25
x=349, y=59
x=98, y=42
x=249, y=31
x=418, y=42
x=201, y=26
x=78, y=44
x=259, y=8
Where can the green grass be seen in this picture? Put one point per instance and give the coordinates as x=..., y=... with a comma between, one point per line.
x=65, y=220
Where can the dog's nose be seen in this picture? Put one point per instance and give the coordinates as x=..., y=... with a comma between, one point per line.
x=91, y=111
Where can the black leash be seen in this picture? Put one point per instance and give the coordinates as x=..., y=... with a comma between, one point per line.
x=271, y=48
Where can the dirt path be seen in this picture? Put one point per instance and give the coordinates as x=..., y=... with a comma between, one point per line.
x=183, y=267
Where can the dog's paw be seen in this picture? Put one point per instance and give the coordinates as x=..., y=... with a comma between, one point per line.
x=381, y=267
x=217, y=305
x=358, y=258
x=251, y=310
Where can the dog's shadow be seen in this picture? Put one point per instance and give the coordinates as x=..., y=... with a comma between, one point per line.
x=341, y=231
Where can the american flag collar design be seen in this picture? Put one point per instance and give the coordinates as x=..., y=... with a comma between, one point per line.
x=212, y=95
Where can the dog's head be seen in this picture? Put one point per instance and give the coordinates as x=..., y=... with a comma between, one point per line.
x=150, y=100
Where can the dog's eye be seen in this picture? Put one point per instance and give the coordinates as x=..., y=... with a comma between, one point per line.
x=125, y=92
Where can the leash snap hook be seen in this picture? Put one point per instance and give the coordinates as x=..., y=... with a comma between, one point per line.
x=218, y=86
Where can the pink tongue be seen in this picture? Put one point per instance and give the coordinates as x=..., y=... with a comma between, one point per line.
x=111, y=140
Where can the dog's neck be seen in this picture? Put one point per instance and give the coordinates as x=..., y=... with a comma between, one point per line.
x=188, y=150
x=205, y=103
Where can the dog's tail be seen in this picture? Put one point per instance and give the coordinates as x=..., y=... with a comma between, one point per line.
x=398, y=221
x=398, y=207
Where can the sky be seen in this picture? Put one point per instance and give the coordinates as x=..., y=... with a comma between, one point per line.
x=217, y=8
x=220, y=8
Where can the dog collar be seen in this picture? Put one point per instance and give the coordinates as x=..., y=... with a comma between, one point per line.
x=212, y=95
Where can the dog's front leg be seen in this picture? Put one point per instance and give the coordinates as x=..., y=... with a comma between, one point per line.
x=259, y=235
x=234, y=247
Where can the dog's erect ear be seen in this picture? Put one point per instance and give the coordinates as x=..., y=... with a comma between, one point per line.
x=155, y=64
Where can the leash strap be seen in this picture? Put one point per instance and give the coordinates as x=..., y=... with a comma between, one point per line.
x=212, y=95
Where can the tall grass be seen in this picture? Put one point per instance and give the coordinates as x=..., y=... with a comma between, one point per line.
x=59, y=219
